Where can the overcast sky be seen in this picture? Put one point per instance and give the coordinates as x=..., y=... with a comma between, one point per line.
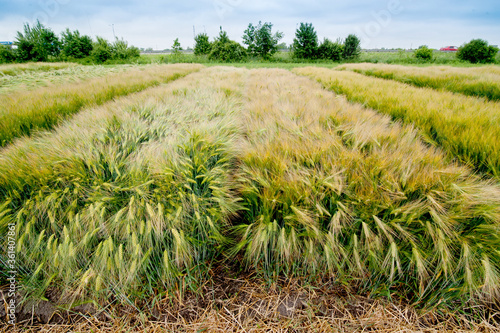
x=379, y=23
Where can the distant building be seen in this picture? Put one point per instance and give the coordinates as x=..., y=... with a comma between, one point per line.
x=8, y=44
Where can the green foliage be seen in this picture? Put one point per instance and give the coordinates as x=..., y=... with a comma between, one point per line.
x=477, y=51
x=121, y=50
x=423, y=53
x=101, y=50
x=226, y=50
x=260, y=40
x=305, y=43
x=282, y=46
x=352, y=47
x=37, y=43
x=316, y=204
x=139, y=198
x=74, y=45
x=330, y=50
x=202, y=45
x=176, y=47
x=7, y=54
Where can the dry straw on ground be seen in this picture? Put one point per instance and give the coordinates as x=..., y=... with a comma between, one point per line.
x=243, y=305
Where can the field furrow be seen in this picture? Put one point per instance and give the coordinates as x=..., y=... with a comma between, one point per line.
x=477, y=81
x=467, y=128
x=22, y=113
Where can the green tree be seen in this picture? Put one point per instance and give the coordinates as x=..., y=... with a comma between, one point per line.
x=120, y=50
x=477, y=51
x=352, y=47
x=202, y=44
x=7, y=54
x=260, y=40
x=101, y=50
x=226, y=50
x=423, y=53
x=249, y=39
x=74, y=45
x=36, y=43
x=330, y=50
x=305, y=43
x=176, y=47
x=282, y=46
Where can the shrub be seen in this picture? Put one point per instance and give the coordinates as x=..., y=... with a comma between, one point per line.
x=177, y=47
x=423, y=53
x=477, y=51
x=260, y=40
x=7, y=54
x=305, y=43
x=226, y=50
x=36, y=43
x=74, y=45
x=352, y=48
x=202, y=44
x=133, y=52
x=330, y=50
x=121, y=50
x=101, y=50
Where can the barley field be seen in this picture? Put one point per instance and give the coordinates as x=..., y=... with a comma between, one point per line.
x=14, y=79
x=24, y=112
x=220, y=199
x=479, y=82
x=467, y=128
x=33, y=67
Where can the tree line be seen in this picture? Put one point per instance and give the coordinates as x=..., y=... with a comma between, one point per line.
x=40, y=43
x=261, y=42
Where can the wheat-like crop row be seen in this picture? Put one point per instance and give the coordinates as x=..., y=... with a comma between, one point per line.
x=139, y=198
x=22, y=113
x=336, y=189
x=467, y=128
x=128, y=198
x=17, y=69
x=476, y=81
x=30, y=80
